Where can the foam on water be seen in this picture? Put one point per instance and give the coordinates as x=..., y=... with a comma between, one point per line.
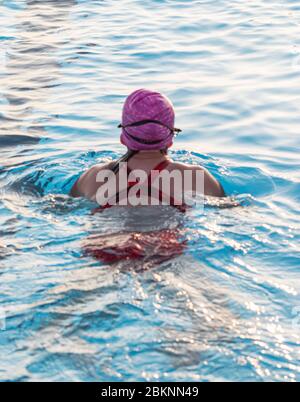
x=228, y=308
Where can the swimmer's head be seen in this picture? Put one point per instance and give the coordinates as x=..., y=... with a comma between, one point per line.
x=148, y=121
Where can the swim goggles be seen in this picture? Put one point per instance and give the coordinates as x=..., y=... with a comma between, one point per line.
x=173, y=131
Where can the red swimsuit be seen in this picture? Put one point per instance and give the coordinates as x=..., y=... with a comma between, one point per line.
x=158, y=169
x=154, y=247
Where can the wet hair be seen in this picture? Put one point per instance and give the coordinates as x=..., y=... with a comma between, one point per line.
x=125, y=158
x=129, y=154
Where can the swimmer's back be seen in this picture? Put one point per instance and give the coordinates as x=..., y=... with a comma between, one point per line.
x=87, y=185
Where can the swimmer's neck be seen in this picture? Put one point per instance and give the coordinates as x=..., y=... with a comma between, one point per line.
x=143, y=155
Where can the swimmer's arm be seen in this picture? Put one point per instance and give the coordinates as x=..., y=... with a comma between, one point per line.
x=87, y=184
x=79, y=188
x=212, y=187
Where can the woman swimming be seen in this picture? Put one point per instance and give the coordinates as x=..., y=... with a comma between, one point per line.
x=148, y=132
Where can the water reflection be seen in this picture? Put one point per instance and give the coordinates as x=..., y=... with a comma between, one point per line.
x=226, y=308
x=32, y=69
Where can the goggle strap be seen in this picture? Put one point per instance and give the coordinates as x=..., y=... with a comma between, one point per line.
x=143, y=122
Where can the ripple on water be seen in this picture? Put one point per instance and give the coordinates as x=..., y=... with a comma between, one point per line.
x=227, y=309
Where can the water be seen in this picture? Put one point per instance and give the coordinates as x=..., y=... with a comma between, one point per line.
x=228, y=309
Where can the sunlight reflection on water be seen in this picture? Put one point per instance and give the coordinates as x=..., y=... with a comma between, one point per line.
x=228, y=307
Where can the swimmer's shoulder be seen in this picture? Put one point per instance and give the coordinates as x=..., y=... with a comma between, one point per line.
x=87, y=184
x=212, y=187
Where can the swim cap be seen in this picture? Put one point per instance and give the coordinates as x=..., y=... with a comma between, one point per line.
x=147, y=121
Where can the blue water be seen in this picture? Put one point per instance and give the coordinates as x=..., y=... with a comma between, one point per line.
x=229, y=308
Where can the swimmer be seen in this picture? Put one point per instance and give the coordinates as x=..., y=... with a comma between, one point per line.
x=148, y=131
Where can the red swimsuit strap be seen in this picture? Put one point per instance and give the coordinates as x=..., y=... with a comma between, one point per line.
x=159, y=168
x=162, y=165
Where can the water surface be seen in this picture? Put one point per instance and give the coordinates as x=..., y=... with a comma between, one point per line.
x=228, y=309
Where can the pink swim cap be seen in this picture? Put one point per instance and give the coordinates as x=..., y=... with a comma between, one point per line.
x=148, y=121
